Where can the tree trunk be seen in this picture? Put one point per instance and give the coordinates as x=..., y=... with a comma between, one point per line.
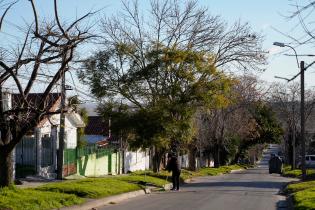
x=192, y=158
x=6, y=168
x=156, y=160
x=217, y=156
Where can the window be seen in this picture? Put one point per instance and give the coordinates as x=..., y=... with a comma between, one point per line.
x=307, y=158
x=312, y=158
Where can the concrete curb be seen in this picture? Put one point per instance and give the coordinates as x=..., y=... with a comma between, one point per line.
x=94, y=203
x=236, y=170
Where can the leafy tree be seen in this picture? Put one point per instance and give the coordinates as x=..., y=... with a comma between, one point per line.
x=268, y=127
x=227, y=131
x=163, y=117
x=167, y=65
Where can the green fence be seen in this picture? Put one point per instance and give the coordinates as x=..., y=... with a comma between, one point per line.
x=70, y=156
x=93, y=161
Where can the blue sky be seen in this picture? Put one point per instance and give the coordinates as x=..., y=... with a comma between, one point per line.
x=261, y=15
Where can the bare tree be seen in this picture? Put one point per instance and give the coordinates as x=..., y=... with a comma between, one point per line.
x=48, y=48
x=285, y=99
x=171, y=24
x=302, y=31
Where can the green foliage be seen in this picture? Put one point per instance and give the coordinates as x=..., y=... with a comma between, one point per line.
x=268, y=127
x=166, y=91
x=30, y=199
x=82, y=142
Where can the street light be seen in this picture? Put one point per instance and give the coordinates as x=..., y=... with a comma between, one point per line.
x=280, y=44
x=302, y=110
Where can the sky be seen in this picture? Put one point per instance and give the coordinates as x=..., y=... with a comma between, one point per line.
x=264, y=16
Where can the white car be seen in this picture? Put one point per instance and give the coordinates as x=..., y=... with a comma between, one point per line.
x=309, y=161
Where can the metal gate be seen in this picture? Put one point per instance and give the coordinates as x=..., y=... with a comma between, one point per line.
x=25, y=157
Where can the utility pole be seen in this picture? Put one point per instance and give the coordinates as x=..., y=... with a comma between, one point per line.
x=62, y=127
x=302, y=120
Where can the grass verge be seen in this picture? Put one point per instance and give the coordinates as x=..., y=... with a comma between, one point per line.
x=92, y=187
x=297, y=173
x=303, y=195
x=29, y=199
x=186, y=174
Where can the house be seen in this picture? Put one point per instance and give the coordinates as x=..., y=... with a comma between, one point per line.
x=37, y=152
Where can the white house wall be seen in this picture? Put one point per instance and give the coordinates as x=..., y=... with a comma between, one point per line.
x=70, y=131
x=71, y=135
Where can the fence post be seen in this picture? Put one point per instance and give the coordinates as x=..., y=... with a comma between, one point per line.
x=38, y=150
x=109, y=163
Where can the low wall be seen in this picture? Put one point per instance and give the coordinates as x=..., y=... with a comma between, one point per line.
x=93, y=165
x=136, y=160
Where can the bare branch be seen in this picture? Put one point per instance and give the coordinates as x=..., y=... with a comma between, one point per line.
x=5, y=12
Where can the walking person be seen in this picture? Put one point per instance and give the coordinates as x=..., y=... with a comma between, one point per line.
x=173, y=165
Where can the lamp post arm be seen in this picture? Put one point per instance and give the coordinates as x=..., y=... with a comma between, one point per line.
x=296, y=57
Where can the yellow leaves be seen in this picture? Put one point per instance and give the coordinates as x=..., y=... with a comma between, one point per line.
x=123, y=48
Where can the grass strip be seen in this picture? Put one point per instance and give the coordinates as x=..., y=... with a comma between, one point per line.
x=92, y=187
x=304, y=199
x=29, y=199
x=186, y=174
x=297, y=173
x=303, y=195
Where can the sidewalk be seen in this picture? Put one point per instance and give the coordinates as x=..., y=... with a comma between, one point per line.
x=34, y=181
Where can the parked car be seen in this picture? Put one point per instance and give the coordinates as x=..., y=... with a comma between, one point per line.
x=275, y=164
x=309, y=161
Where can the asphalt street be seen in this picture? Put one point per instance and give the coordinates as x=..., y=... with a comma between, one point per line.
x=252, y=189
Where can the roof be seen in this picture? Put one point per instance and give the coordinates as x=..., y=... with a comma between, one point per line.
x=52, y=103
x=96, y=126
x=34, y=99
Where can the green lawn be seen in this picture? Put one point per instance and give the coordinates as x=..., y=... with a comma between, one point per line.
x=305, y=199
x=186, y=174
x=30, y=199
x=142, y=179
x=221, y=170
x=292, y=188
x=92, y=187
x=303, y=195
x=297, y=173
x=303, y=192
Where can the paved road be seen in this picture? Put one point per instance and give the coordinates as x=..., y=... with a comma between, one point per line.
x=253, y=189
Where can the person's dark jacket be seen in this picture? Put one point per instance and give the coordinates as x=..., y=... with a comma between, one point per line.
x=173, y=165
